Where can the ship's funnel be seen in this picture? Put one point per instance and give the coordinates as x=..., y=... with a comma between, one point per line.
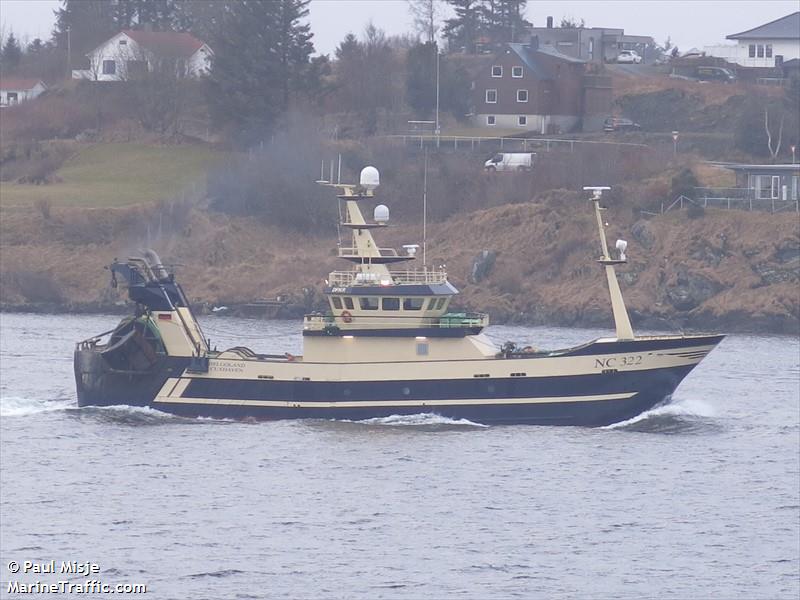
x=154, y=262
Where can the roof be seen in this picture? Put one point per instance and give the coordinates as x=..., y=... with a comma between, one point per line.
x=745, y=167
x=525, y=54
x=19, y=83
x=787, y=27
x=164, y=43
x=528, y=56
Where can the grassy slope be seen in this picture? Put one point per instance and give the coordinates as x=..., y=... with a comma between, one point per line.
x=117, y=174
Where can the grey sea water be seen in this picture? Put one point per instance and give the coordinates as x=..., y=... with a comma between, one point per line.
x=699, y=499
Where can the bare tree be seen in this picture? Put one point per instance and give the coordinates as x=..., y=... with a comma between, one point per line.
x=773, y=152
x=427, y=15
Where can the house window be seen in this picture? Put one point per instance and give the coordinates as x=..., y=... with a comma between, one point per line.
x=516, y=72
x=522, y=120
x=795, y=187
x=12, y=98
x=491, y=96
x=765, y=186
x=591, y=47
x=497, y=71
x=760, y=50
x=123, y=42
x=522, y=95
x=109, y=67
x=768, y=50
x=422, y=349
x=751, y=51
x=490, y=120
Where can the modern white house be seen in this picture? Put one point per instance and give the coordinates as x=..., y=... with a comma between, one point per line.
x=14, y=90
x=768, y=45
x=130, y=53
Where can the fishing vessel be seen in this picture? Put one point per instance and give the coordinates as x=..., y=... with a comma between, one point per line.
x=387, y=344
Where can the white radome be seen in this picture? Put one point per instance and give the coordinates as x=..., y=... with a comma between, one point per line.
x=381, y=213
x=370, y=178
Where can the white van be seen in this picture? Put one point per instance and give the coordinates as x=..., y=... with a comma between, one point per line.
x=511, y=161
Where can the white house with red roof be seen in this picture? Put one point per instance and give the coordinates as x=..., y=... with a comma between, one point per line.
x=131, y=52
x=14, y=90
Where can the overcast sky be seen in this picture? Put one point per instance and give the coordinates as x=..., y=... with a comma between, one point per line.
x=688, y=22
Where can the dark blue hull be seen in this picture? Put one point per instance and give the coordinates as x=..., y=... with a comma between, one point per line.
x=586, y=400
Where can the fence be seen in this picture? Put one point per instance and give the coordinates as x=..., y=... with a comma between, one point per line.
x=510, y=144
x=733, y=198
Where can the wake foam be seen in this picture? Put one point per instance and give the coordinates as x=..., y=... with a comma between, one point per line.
x=419, y=420
x=17, y=406
x=691, y=415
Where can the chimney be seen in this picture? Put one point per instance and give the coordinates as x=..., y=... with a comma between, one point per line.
x=549, y=22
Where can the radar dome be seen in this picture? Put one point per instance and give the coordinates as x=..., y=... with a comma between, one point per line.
x=381, y=214
x=370, y=178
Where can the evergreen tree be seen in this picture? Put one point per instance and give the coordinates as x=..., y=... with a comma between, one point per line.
x=293, y=46
x=421, y=78
x=11, y=54
x=505, y=20
x=81, y=25
x=261, y=56
x=463, y=30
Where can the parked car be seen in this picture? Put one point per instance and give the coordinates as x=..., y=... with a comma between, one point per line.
x=510, y=161
x=620, y=124
x=716, y=74
x=629, y=56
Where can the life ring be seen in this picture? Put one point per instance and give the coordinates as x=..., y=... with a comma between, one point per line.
x=347, y=317
x=290, y=357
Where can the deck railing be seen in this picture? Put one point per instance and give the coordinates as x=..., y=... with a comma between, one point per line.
x=355, y=252
x=421, y=277
x=360, y=321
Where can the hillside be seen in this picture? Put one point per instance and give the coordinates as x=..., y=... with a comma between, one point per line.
x=730, y=270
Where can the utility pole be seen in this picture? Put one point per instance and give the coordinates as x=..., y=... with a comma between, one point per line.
x=69, y=54
x=438, y=130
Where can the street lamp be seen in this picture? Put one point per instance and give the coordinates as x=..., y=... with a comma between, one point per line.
x=675, y=143
x=793, y=149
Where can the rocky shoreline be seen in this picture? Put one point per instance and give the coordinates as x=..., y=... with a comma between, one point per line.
x=736, y=322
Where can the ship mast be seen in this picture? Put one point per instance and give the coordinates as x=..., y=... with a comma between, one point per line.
x=621, y=320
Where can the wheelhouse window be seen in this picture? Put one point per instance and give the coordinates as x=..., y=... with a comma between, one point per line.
x=348, y=303
x=522, y=120
x=368, y=303
x=413, y=303
x=431, y=304
x=109, y=67
x=391, y=304
x=490, y=120
x=522, y=95
x=337, y=302
x=441, y=303
x=516, y=72
x=491, y=96
x=497, y=71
